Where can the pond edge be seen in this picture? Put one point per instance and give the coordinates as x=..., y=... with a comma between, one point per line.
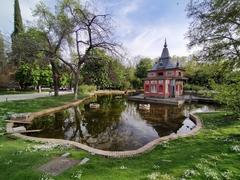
x=115, y=154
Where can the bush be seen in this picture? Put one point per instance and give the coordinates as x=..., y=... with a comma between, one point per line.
x=194, y=87
x=85, y=89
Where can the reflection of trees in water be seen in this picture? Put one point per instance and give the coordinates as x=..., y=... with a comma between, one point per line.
x=108, y=115
x=116, y=125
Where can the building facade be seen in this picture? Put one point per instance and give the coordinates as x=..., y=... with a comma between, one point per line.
x=165, y=79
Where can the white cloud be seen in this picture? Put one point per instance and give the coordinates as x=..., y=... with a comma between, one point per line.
x=150, y=41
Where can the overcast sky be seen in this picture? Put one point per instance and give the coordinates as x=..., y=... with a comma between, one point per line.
x=141, y=25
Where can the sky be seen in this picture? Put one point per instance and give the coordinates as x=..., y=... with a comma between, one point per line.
x=141, y=26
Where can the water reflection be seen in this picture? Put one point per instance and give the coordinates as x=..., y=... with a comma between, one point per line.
x=116, y=125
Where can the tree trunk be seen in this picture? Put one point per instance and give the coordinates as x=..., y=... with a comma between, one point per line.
x=55, y=78
x=76, y=82
x=39, y=89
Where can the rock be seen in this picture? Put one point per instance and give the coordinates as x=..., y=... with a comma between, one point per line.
x=84, y=161
x=66, y=154
x=94, y=105
x=19, y=116
x=19, y=129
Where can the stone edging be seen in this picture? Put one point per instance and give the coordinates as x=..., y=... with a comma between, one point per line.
x=115, y=154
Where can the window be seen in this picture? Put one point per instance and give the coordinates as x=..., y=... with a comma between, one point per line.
x=153, y=89
x=179, y=74
x=160, y=73
x=169, y=73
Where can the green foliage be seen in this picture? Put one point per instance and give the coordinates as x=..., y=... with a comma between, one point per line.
x=95, y=71
x=18, y=24
x=33, y=75
x=28, y=47
x=201, y=74
x=86, y=89
x=142, y=69
x=105, y=72
x=215, y=28
x=65, y=79
x=228, y=93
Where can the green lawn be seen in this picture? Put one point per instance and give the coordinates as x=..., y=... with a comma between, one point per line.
x=212, y=154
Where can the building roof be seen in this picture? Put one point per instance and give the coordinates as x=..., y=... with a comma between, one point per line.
x=165, y=61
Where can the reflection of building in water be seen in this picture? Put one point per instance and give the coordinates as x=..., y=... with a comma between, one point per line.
x=164, y=119
x=159, y=113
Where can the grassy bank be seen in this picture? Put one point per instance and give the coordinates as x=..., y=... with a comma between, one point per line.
x=212, y=154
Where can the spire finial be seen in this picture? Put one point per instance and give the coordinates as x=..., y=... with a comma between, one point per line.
x=165, y=44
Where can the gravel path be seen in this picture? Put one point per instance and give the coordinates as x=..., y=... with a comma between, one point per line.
x=15, y=97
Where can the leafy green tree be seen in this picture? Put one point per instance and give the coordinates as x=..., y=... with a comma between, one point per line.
x=227, y=93
x=30, y=45
x=117, y=75
x=215, y=27
x=33, y=75
x=142, y=69
x=202, y=73
x=96, y=70
x=105, y=72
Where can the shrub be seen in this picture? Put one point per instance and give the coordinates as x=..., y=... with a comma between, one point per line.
x=85, y=89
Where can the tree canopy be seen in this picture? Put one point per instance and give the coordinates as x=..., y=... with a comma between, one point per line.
x=215, y=28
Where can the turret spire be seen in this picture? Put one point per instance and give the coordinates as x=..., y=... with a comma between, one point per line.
x=165, y=44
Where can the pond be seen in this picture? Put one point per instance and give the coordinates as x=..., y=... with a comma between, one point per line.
x=117, y=124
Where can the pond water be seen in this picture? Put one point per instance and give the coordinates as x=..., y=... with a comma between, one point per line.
x=117, y=124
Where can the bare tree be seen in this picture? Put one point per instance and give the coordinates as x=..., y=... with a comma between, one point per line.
x=89, y=32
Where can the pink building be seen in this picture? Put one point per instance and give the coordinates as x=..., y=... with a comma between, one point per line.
x=165, y=79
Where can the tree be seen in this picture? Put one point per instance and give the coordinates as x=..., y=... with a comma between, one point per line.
x=2, y=52
x=215, y=28
x=29, y=46
x=18, y=28
x=18, y=25
x=142, y=68
x=33, y=75
x=56, y=28
x=96, y=71
x=228, y=91
x=90, y=31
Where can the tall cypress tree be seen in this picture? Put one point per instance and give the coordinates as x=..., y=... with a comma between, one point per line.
x=18, y=28
x=18, y=24
x=2, y=52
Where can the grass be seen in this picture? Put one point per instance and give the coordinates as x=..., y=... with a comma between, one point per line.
x=27, y=91
x=212, y=154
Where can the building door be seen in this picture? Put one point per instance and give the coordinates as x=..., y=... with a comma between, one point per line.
x=172, y=88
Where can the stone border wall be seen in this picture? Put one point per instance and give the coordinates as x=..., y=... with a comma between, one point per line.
x=115, y=154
